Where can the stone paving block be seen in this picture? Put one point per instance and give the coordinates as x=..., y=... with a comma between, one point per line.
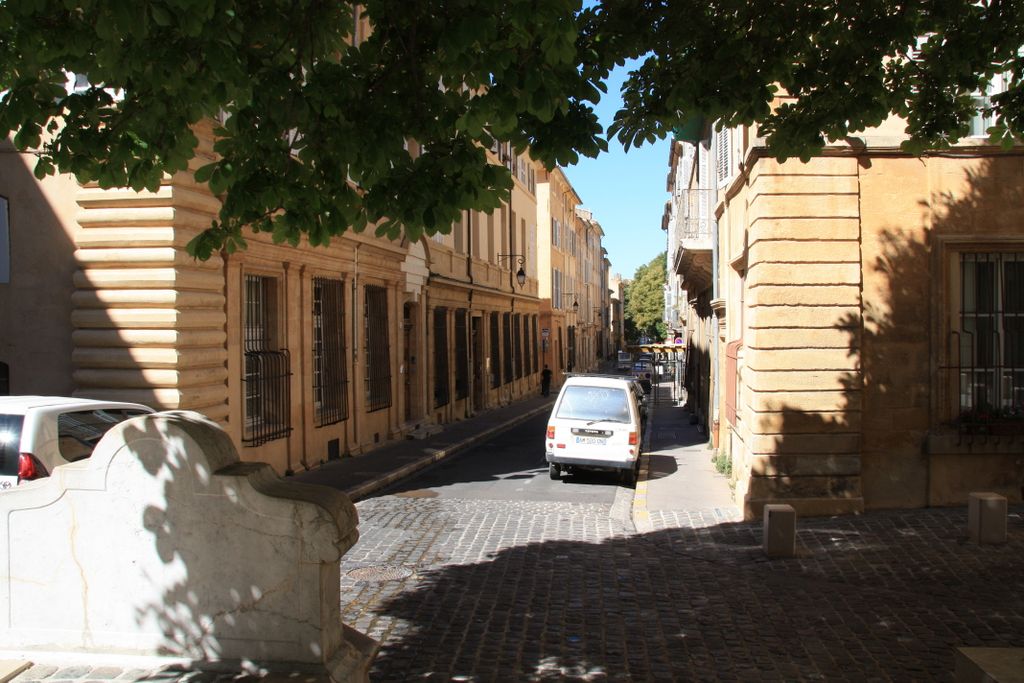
x=36, y=672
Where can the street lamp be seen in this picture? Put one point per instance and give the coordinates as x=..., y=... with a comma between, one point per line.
x=575, y=303
x=521, y=260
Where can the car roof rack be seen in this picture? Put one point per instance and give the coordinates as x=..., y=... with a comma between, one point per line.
x=606, y=375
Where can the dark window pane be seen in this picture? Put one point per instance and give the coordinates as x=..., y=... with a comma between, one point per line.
x=440, y=357
x=378, y=349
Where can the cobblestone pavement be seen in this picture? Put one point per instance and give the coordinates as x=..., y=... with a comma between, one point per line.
x=486, y=591
x=513, y=591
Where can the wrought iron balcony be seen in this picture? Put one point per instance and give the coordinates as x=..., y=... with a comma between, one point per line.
x=692, y=237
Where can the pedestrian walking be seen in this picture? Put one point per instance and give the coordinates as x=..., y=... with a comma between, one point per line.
x=545, y=381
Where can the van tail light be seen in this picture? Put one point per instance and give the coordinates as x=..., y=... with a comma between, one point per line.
x=551, y=431
x=632, y=438
x=29, y=468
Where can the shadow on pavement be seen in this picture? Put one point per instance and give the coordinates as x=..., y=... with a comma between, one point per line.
x=885, y=596
x=661, y=466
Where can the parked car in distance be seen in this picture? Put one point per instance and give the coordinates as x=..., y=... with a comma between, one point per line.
x=641, y=398
x=596, y=423
x=643, y=371
x=625, y=361
x=39, y=433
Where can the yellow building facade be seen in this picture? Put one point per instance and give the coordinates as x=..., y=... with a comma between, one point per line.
x=302, y=354
x=853, y=320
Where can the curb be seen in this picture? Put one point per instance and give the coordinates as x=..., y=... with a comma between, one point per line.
x=641, y=515
x=359, y=492
x=9, y=668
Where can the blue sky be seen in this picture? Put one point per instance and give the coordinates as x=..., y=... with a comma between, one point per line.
x=626, y=191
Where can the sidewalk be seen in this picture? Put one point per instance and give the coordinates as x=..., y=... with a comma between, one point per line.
x=363, y=475
x=677, y=476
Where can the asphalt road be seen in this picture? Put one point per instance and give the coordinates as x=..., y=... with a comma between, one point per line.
x=510, y=467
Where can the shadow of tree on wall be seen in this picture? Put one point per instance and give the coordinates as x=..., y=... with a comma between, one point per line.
x=35, y=304
x=901, y=391
x=882, y=597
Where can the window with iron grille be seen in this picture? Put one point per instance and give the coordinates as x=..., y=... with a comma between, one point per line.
x=461, y=355
x=440, y=357
x=535, y=347
x=506, y=324
x=378, y=349
x=330, y=373
x=517, y=343
x=266, y=382
x=495, y=352
x=987, y=346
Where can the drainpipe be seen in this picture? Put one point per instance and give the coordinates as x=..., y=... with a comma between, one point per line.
x=468, y=408
x=355, y=344
x=716, y=337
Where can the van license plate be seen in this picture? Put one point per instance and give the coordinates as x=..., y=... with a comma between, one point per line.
x=589, y=439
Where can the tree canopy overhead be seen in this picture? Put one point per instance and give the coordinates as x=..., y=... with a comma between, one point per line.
x=303, y=111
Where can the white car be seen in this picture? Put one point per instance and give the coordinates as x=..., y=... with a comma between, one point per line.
x=596, y=423
x=38, y=433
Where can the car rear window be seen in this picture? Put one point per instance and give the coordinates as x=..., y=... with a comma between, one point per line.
x=594, y=403
x=10, y=444
x=78, y=432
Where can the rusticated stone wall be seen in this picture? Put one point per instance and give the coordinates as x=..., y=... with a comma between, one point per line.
x=801, y=399
x=148, y=318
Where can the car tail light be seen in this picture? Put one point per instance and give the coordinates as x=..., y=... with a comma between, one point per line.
x=551, y=432
x=28, y=467
x=632, y=438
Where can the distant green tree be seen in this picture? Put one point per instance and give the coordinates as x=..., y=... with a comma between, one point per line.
x=645, y=301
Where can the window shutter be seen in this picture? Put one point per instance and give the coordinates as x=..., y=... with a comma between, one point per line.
x=723, y=154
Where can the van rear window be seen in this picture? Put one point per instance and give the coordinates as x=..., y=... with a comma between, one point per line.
x=594, y=403
x=78, y=432
x=10, y=443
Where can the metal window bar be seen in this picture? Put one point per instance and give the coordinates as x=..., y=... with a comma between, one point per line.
x=506, y=324
x=534, y=346
x=266, y=383
x=441, y=395
x=985, y=356
x=330, y=372
x=378, y=348
x=461, y=355
x=495, y=352
x=517, y=343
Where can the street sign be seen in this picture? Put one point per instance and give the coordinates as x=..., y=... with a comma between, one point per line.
x=545, y=332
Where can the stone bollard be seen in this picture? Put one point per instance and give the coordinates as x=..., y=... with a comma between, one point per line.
x=986, y=518
x=779, y=530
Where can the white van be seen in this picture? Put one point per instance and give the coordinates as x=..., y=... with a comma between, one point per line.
x=596, y=423
x=625, y=361
x=39, y=433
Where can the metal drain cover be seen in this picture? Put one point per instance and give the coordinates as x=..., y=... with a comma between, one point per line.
x=380, y=573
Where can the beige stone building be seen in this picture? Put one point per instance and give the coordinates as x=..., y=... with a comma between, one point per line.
x=556, y=211
x=854, y=322
x=617, y=298
x=303, y=354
